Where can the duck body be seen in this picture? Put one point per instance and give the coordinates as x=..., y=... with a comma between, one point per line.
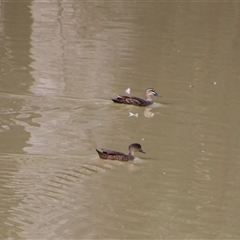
x=132, y=101
x=114, y=155
x=136, y=100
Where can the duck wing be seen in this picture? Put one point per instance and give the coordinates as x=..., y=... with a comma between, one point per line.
x=131, y=100
x=114, y=155
x=110, y=152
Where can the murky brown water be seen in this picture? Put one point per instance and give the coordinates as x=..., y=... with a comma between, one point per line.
x=61, y=62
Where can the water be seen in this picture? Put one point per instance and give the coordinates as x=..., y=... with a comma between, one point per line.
x=61, y=63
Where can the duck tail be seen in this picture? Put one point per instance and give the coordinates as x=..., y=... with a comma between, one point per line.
x=101, y=154
x=118, y=99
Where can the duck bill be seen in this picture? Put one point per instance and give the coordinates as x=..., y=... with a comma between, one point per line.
x=142, y=151
x=157, y=95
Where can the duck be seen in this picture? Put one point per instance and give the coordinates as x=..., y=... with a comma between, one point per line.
x=137, y=101
x=114, y=155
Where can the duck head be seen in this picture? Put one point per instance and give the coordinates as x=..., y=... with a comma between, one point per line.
x=152, y=92
x=135, y=147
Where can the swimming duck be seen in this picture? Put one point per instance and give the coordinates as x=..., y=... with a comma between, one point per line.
x=135, y=100
x=113, y=155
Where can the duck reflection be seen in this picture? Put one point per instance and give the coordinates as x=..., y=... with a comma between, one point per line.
x=147, y=112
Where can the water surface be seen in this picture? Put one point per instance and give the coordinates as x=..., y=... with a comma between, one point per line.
x=61, y=63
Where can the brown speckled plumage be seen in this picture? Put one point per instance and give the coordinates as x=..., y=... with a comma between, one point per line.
x=135, y=100
x=114, y=155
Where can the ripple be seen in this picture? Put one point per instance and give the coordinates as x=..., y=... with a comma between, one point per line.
x=39, y=189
